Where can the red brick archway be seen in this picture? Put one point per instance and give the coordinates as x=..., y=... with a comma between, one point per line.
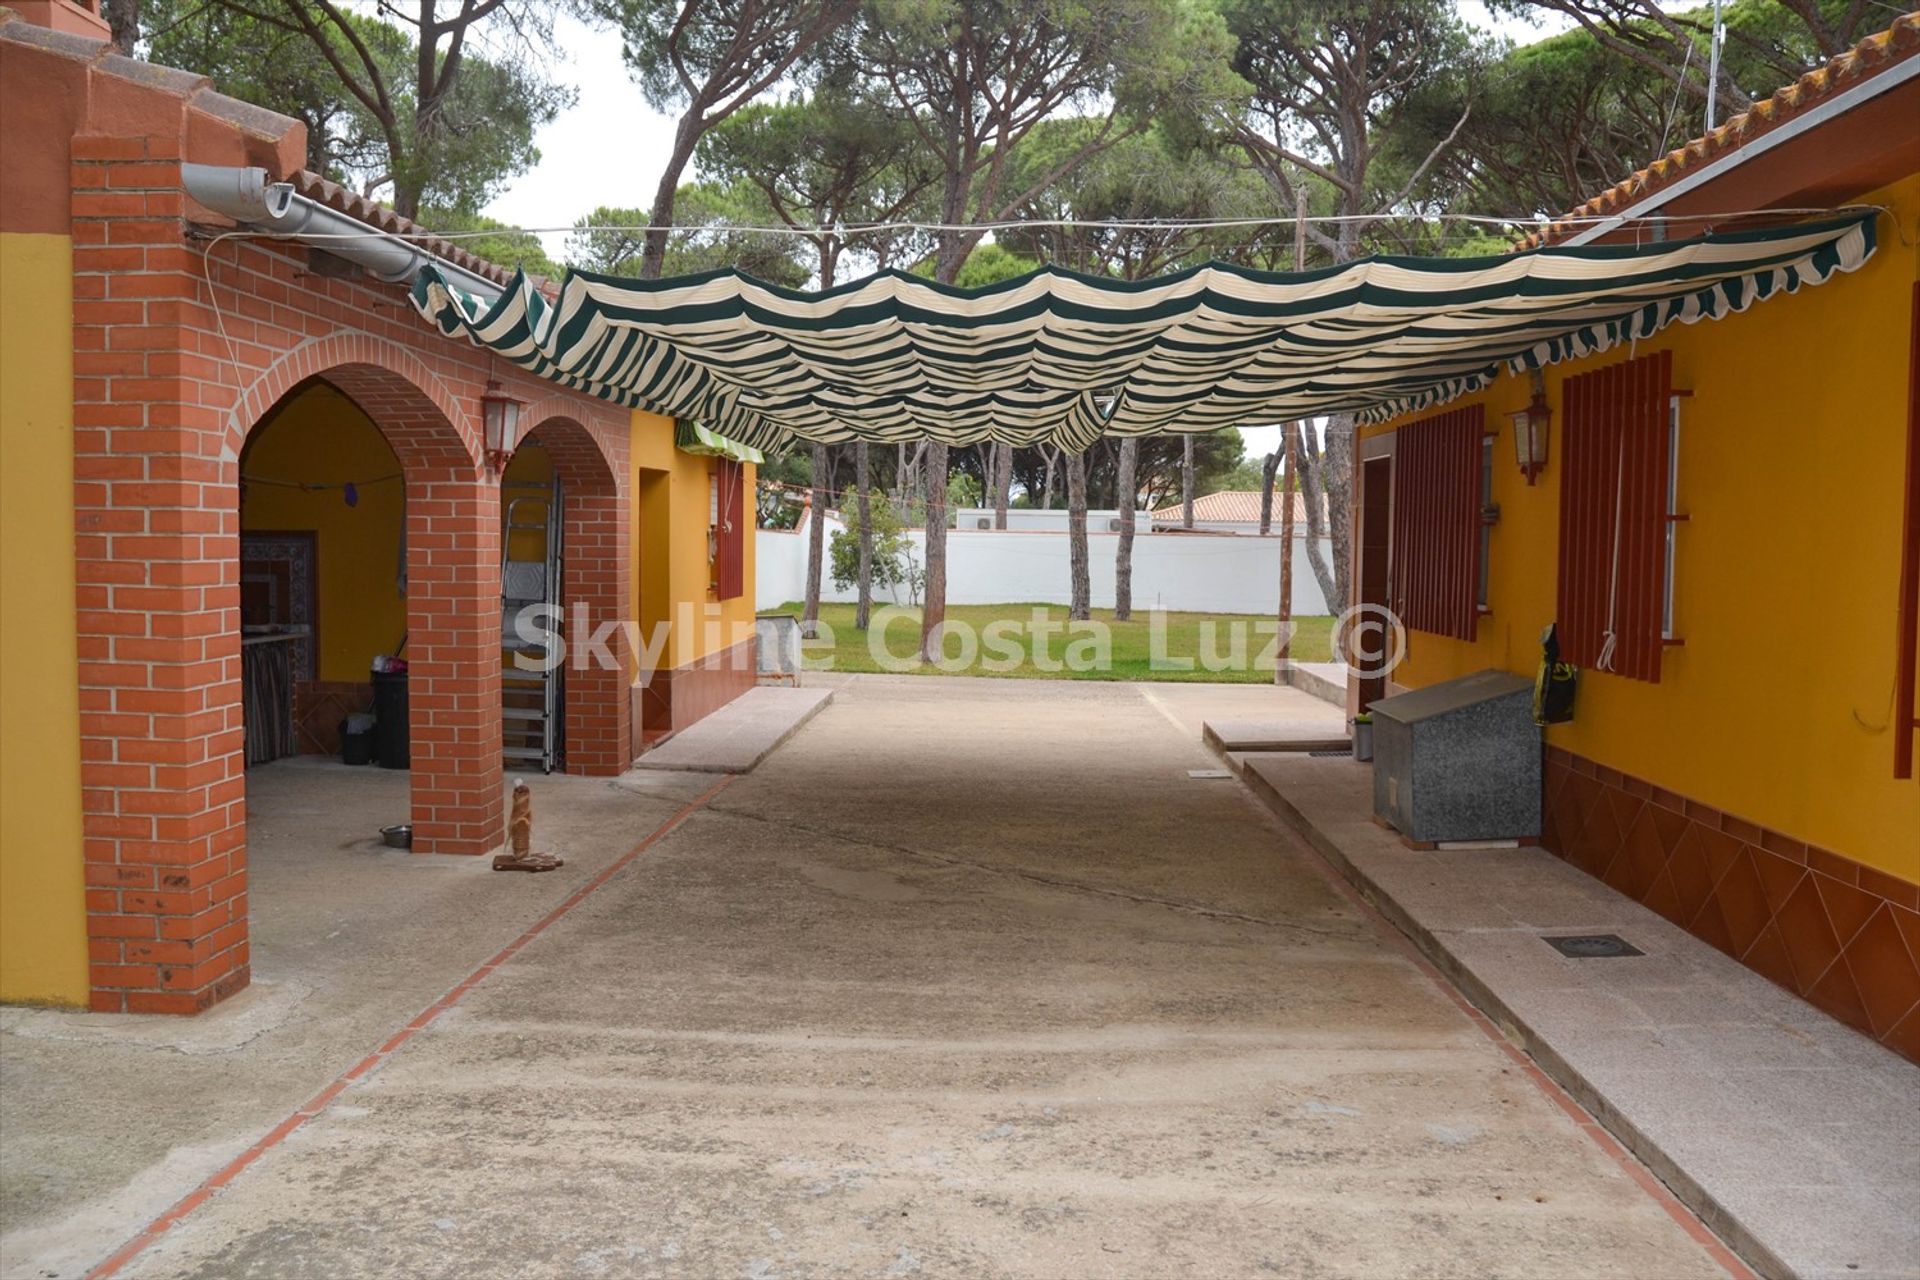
x=595, y=586
x=453, y=588
x=181, y=345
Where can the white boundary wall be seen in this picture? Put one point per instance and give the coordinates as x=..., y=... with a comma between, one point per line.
x=1182, y=572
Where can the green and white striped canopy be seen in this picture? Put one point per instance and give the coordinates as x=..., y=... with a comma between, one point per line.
x=1064, y=358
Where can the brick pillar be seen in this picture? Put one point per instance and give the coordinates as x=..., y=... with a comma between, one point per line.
x=156, y=531
x=594, y=577
x=453, y=653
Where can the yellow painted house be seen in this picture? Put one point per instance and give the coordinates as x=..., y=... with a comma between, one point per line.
x=1734, y=505
x=237, y=472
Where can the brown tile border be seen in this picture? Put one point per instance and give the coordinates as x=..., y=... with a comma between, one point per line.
x=1841, y=935
x=674, y=697
x=318, y=708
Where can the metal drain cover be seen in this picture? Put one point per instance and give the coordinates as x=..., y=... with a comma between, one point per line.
x=1331, y=755
x=1592, y=946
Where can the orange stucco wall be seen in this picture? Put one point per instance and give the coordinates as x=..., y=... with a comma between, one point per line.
x=1792, y=456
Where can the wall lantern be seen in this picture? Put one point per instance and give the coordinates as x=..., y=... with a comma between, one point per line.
x=501, y=414
x=1530, y=429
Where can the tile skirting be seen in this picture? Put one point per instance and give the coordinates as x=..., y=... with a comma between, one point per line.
x=671, y=698
x=1841, y=935
x=318, y=708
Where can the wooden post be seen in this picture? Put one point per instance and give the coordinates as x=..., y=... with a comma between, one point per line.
x=1289, y=479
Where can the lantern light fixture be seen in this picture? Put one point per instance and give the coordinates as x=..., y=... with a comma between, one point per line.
x=1530, y=431
x=500, y=414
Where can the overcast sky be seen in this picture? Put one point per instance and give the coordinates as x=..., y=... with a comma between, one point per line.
x=610, y=147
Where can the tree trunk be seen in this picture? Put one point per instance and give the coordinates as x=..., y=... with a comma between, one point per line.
x=1337, y=480
x=1186, y=481
x=1052, y=460
x=653, y=255
x=900, y=479
x=123, y=16
x=1283, y=659
x=950, y=255
x=935, y=613
x=1081, y=607
x=1124, y=486
x=863, y=607
x=1002, y=483
x=816, y=543
x=1312, y=491
x=1267, y=467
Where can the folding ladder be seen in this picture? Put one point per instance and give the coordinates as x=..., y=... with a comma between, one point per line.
x=530, y=701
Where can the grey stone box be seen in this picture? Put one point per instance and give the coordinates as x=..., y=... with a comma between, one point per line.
x=1459, y=760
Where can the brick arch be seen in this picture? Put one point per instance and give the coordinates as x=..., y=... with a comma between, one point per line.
x=453, y=571
x=595, y=587
x=581, y=454
x=423, y=421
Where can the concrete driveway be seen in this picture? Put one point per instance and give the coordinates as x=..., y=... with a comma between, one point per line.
x=969, y=978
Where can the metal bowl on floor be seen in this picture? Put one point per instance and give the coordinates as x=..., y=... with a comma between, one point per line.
x=398, y=837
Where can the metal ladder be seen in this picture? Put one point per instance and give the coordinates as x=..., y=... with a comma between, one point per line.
x=530, y=701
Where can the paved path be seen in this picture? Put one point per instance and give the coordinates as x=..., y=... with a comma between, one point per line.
x=969, y=978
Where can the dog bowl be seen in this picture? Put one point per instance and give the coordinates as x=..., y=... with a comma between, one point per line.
x=398, y=837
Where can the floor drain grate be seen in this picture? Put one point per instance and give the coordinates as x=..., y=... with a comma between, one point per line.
x=1330, y=755
x=1592, y=946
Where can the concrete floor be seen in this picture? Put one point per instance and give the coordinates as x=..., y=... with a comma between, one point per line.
x=969, y=977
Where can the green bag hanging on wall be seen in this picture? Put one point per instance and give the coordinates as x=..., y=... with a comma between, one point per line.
x=1554, y=686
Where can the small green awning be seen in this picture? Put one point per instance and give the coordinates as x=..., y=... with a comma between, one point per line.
x=1062, y=358
x=690, y=437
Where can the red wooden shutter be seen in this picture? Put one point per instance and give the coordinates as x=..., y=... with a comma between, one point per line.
x=730, y=538
x=1436, y=522
x=1613, y=515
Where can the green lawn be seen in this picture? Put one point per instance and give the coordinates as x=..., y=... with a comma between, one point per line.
x=1005, y=640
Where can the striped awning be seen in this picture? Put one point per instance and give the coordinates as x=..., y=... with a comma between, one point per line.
x=690, y=437
x=1065, y=358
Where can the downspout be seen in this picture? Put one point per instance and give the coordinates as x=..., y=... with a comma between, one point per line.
x=248, y=198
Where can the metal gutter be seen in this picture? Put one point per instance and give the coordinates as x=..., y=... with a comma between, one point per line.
x=245, y=195
x=1838, y=105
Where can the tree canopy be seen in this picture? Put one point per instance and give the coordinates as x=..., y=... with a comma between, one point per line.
x=423, y=107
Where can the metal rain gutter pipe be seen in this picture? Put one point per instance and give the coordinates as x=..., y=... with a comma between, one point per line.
x=245, y=195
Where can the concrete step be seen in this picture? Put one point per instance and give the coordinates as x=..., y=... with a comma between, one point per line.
x=1326, y=681
x=739, y=735
x=1271, y=735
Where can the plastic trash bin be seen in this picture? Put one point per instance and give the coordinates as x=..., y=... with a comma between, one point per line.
x=356, y=739
x=390, y=719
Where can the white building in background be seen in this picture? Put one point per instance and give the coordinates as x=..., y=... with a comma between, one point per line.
x=1046, y=520
x=1232, y=511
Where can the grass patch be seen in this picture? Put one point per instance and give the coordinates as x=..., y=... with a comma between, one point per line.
x=1029, y=641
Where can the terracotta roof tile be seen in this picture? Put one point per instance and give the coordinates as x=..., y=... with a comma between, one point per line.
x=1236, y=506
x=358, y=207
x=1868, y=58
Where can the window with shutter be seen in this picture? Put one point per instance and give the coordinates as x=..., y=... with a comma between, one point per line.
x=1621, y=432
x=731, y=519
x=1437, y=502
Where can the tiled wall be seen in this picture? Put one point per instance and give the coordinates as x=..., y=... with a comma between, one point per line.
x=675, y=697
x=1842, y=935
x=318, y=708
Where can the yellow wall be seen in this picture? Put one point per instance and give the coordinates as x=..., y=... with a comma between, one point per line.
x=1792, y=458
x=530, y=465
x=664, y=475
x=43, y=934
x=320, y=437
